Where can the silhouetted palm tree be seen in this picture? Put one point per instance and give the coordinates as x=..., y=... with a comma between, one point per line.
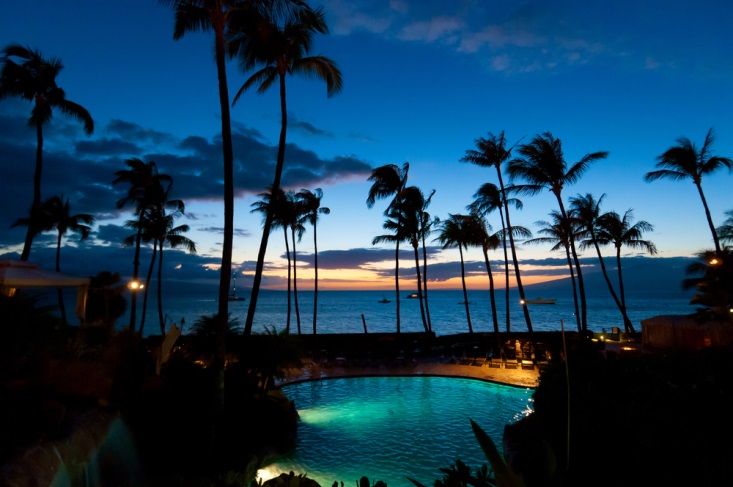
x=725, y=231
x=34, y=80
x=454, y=232
x=555, y=233
x=478, y=235
x=143, y=226
x=685, y=161
x=106, y=301
x=487, y=199
x=493, y=152
x=311, y=206
x=426, y=228
x=399, y=234
x=55, y=214
x=410, y=215
x=295, y=212
x=390, y=180
x=147, y=191
x=714, y=287
x=587, y=213
x=543, y=165
x=617, y=230
x=281, y=44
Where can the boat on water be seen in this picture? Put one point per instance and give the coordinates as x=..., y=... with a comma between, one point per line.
x=539, y=301
x=233, y=295
x=384, y=300
x=412, y=296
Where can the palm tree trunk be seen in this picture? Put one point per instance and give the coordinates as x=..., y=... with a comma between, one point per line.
x=575, y=289
x=136, y=267
x=716, y=241
x=287, y=252
x=419, y=287
x=465, y=293
x=147, y=287
x=397, y=283
x=627, y=321
x=581, y=284
x=269, y=217
x=425, y=282
x=315, y=282
x=520, y=288
x=506, y=271
x=621, y=288
x=160, y=294
x=492, y=294
x=31, y=232
x=60, y=291
x=295, y=282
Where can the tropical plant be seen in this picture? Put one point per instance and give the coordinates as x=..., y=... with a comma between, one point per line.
x=390, y=180
x=617, y=230
x=55, y=214
x=311, y=207
x=487, y=199
x=685, y=161
x=478, y=230
x=426, y=228
x=297, y=229
x=587, y=212
x=725, y=231
x=542, y=164
x=555, y=233
x=34, y=80
x=714, y=285
x=493, y=152
x=393, y=222
x=147, y=192
x=106, y=301
x=281, y=44
x=455, y=232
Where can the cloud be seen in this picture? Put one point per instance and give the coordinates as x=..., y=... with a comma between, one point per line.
x=303, y=127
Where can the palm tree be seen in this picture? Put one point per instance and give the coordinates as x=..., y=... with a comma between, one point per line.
x=587, y=212
x=411, y=216
x=493, y=152
x=399, y=234
x=685, y=161
x=555, y=233
x=543, y=165
x=454, y=232
x=280, y=211
x=311, y=205
x=714, y=287
x=34, y=80
x=478, y=236
x=294, y=222
x=106, y=300
x=172, y=236
x=148, y=190
x=144, y=227
x=725, y=231
x=281, y=44
x=426, y=228
x=487, y=199
x=390, y=180
x=55, y=214
x=612, y=228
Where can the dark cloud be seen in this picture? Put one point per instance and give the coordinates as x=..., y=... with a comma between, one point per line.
x=306, y=128
x=106, y=147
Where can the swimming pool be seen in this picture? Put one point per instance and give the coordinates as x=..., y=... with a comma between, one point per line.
x=392, y=428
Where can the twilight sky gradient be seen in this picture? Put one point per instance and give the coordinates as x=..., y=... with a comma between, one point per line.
x=422, y=80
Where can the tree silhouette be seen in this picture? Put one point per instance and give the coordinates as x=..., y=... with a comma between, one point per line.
x=34, y=80
x=455, y=232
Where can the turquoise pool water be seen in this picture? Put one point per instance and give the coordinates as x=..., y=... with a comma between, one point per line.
x=392, y=428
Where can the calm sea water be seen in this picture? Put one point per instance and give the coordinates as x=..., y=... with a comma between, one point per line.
x=341, y=312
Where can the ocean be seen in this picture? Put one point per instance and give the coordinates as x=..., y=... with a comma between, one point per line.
x=342, y=311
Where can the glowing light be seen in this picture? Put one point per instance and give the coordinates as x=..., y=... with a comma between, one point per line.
x=714, y=261
x=135, y=285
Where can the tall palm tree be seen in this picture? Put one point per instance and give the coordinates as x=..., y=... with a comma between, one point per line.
x=294, y=223
x=170, y=235
x=426, y=227
x=144, y=227
x=493, y=152
x=714, y=284
x=478, y=236
x=488, y=198
x=454, y=232
x=411, y=216
x=725, y=231
x=555, y=233
x=685, y=161
x=55, y=214
x=617, y=230
x=281, y=211
x=281, y=44
x=395, y=224
x=587, y=212
x=34, y=80
x=542, y=164
x=147, y=191
x=311, y=205
x=390, y=180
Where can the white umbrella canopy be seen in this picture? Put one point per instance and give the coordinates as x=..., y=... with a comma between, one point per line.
x=15, y=274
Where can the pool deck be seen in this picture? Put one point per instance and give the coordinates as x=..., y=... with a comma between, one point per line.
x=514, y=377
